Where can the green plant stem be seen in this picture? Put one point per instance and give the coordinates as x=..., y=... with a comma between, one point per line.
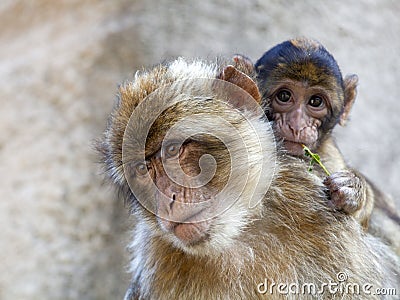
x=315, y=159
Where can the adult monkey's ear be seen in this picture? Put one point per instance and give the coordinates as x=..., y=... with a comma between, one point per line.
x=236, y=77
x=244, y=64
x=350, y=93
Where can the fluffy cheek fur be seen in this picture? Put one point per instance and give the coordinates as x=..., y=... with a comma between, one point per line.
x=222, y=232
x=230, y=216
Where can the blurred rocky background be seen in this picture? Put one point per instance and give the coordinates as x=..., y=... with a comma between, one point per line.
x=62, y=232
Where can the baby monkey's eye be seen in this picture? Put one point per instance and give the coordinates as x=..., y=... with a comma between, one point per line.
x=172, y=150
x=315, y=101
x=283, y=95
x=141, y=169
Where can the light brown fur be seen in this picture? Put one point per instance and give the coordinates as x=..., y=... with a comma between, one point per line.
x=307, y=61
x=292, y=236
x=289, y=241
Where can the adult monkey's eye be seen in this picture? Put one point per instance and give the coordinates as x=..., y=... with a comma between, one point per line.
x=315, y=101
x=172, y=150
x=284, y=96
x=141, y=169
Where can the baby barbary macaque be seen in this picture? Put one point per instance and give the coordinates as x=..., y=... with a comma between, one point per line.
x=305, y=96
x=221, y=212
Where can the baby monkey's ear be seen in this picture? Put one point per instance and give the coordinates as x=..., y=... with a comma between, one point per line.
x=236, y=77
x=350, y=93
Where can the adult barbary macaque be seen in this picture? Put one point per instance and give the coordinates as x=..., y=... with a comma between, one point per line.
x=305, y=95
x=192, y=155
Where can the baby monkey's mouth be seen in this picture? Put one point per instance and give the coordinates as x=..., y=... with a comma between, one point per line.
x=294, y=148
